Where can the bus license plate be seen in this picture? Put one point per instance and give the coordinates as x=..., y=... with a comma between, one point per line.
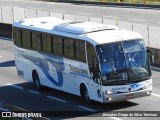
x=130, y=96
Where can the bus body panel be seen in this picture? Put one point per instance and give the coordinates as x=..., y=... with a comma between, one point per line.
x=56, y=72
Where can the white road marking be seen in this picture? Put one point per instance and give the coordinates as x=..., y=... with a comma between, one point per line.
x=3, y=109
x=5, y=38
x=115, y=118
x=59, y=11
x=88, y=109
x=0, y=56
x=158, y=22
x=15, y=86
x=32, y=91
x=138, y=20
x=156, y=68
x=54, y=98
x=155, y=94
x=111, y=17
x=34, y=8
x=83, y=14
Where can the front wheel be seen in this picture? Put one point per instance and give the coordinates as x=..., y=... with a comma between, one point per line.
x=85, y=96
x=36, y=81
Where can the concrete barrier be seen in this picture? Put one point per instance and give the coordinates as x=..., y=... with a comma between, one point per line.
x=6, y=31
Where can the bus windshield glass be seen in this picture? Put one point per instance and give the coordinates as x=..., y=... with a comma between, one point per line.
x=123, y=62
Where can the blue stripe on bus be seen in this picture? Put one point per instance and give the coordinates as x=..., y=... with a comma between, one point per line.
x=46, y=72
x=44, y=66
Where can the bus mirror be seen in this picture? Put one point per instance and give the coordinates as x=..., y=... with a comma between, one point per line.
x=150, y=55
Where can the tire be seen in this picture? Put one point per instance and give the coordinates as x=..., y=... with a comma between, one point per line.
x=85, y=95
x=36, y=81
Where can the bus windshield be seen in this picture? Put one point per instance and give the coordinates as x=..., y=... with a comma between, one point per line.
x=123, y=62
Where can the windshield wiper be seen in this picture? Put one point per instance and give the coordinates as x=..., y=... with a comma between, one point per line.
x=137, y=78
x=142, y=79
x=115, y=83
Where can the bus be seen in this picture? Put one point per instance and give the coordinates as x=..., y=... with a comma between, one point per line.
x=97, y=62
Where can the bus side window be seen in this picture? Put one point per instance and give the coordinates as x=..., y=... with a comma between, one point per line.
x=14, y=34
x=36, y=40
x=58, y=45
x=92, y=62
x=26, y=38
x=17, y=36
x=80, y=50
x=69, y=48
x=46, y=43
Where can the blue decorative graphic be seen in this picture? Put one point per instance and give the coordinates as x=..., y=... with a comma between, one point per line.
x=134, y=86
x=43, y=65
x=99, y=93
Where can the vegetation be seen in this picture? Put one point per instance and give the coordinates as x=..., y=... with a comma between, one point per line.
x=127, y=1
x=157, y=2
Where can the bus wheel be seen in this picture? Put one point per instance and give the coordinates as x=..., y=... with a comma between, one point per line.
x=37, y=81
x=85, y=95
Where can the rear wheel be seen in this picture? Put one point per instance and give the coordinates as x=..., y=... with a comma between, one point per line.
x=36, y=81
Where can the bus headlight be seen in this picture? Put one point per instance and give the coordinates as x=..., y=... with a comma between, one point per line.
x=147, y=86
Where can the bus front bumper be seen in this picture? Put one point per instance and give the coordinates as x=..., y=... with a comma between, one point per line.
x=126, y=96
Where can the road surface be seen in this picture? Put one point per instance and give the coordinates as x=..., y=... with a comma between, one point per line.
x=20, y=93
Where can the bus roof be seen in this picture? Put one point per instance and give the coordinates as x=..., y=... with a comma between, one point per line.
x=92, y=32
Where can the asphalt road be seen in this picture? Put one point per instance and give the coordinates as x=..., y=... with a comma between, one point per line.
x=149, y=17
x=20, y=93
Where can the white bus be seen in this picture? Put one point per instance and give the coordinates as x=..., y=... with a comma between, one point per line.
x=95, y=61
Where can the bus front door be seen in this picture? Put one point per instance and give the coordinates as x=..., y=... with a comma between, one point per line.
x=94, y=84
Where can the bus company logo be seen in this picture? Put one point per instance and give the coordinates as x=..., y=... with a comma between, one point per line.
x=129, y=89
x=78, y=70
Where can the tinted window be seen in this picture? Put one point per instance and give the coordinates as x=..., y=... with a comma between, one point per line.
x=69, y=48
x=93, y=62
x=57, y=45
x=91, y=54
x=80, y=50
x=17, y=36
x=26, y=38
x=46, y=43
x=36, y=40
